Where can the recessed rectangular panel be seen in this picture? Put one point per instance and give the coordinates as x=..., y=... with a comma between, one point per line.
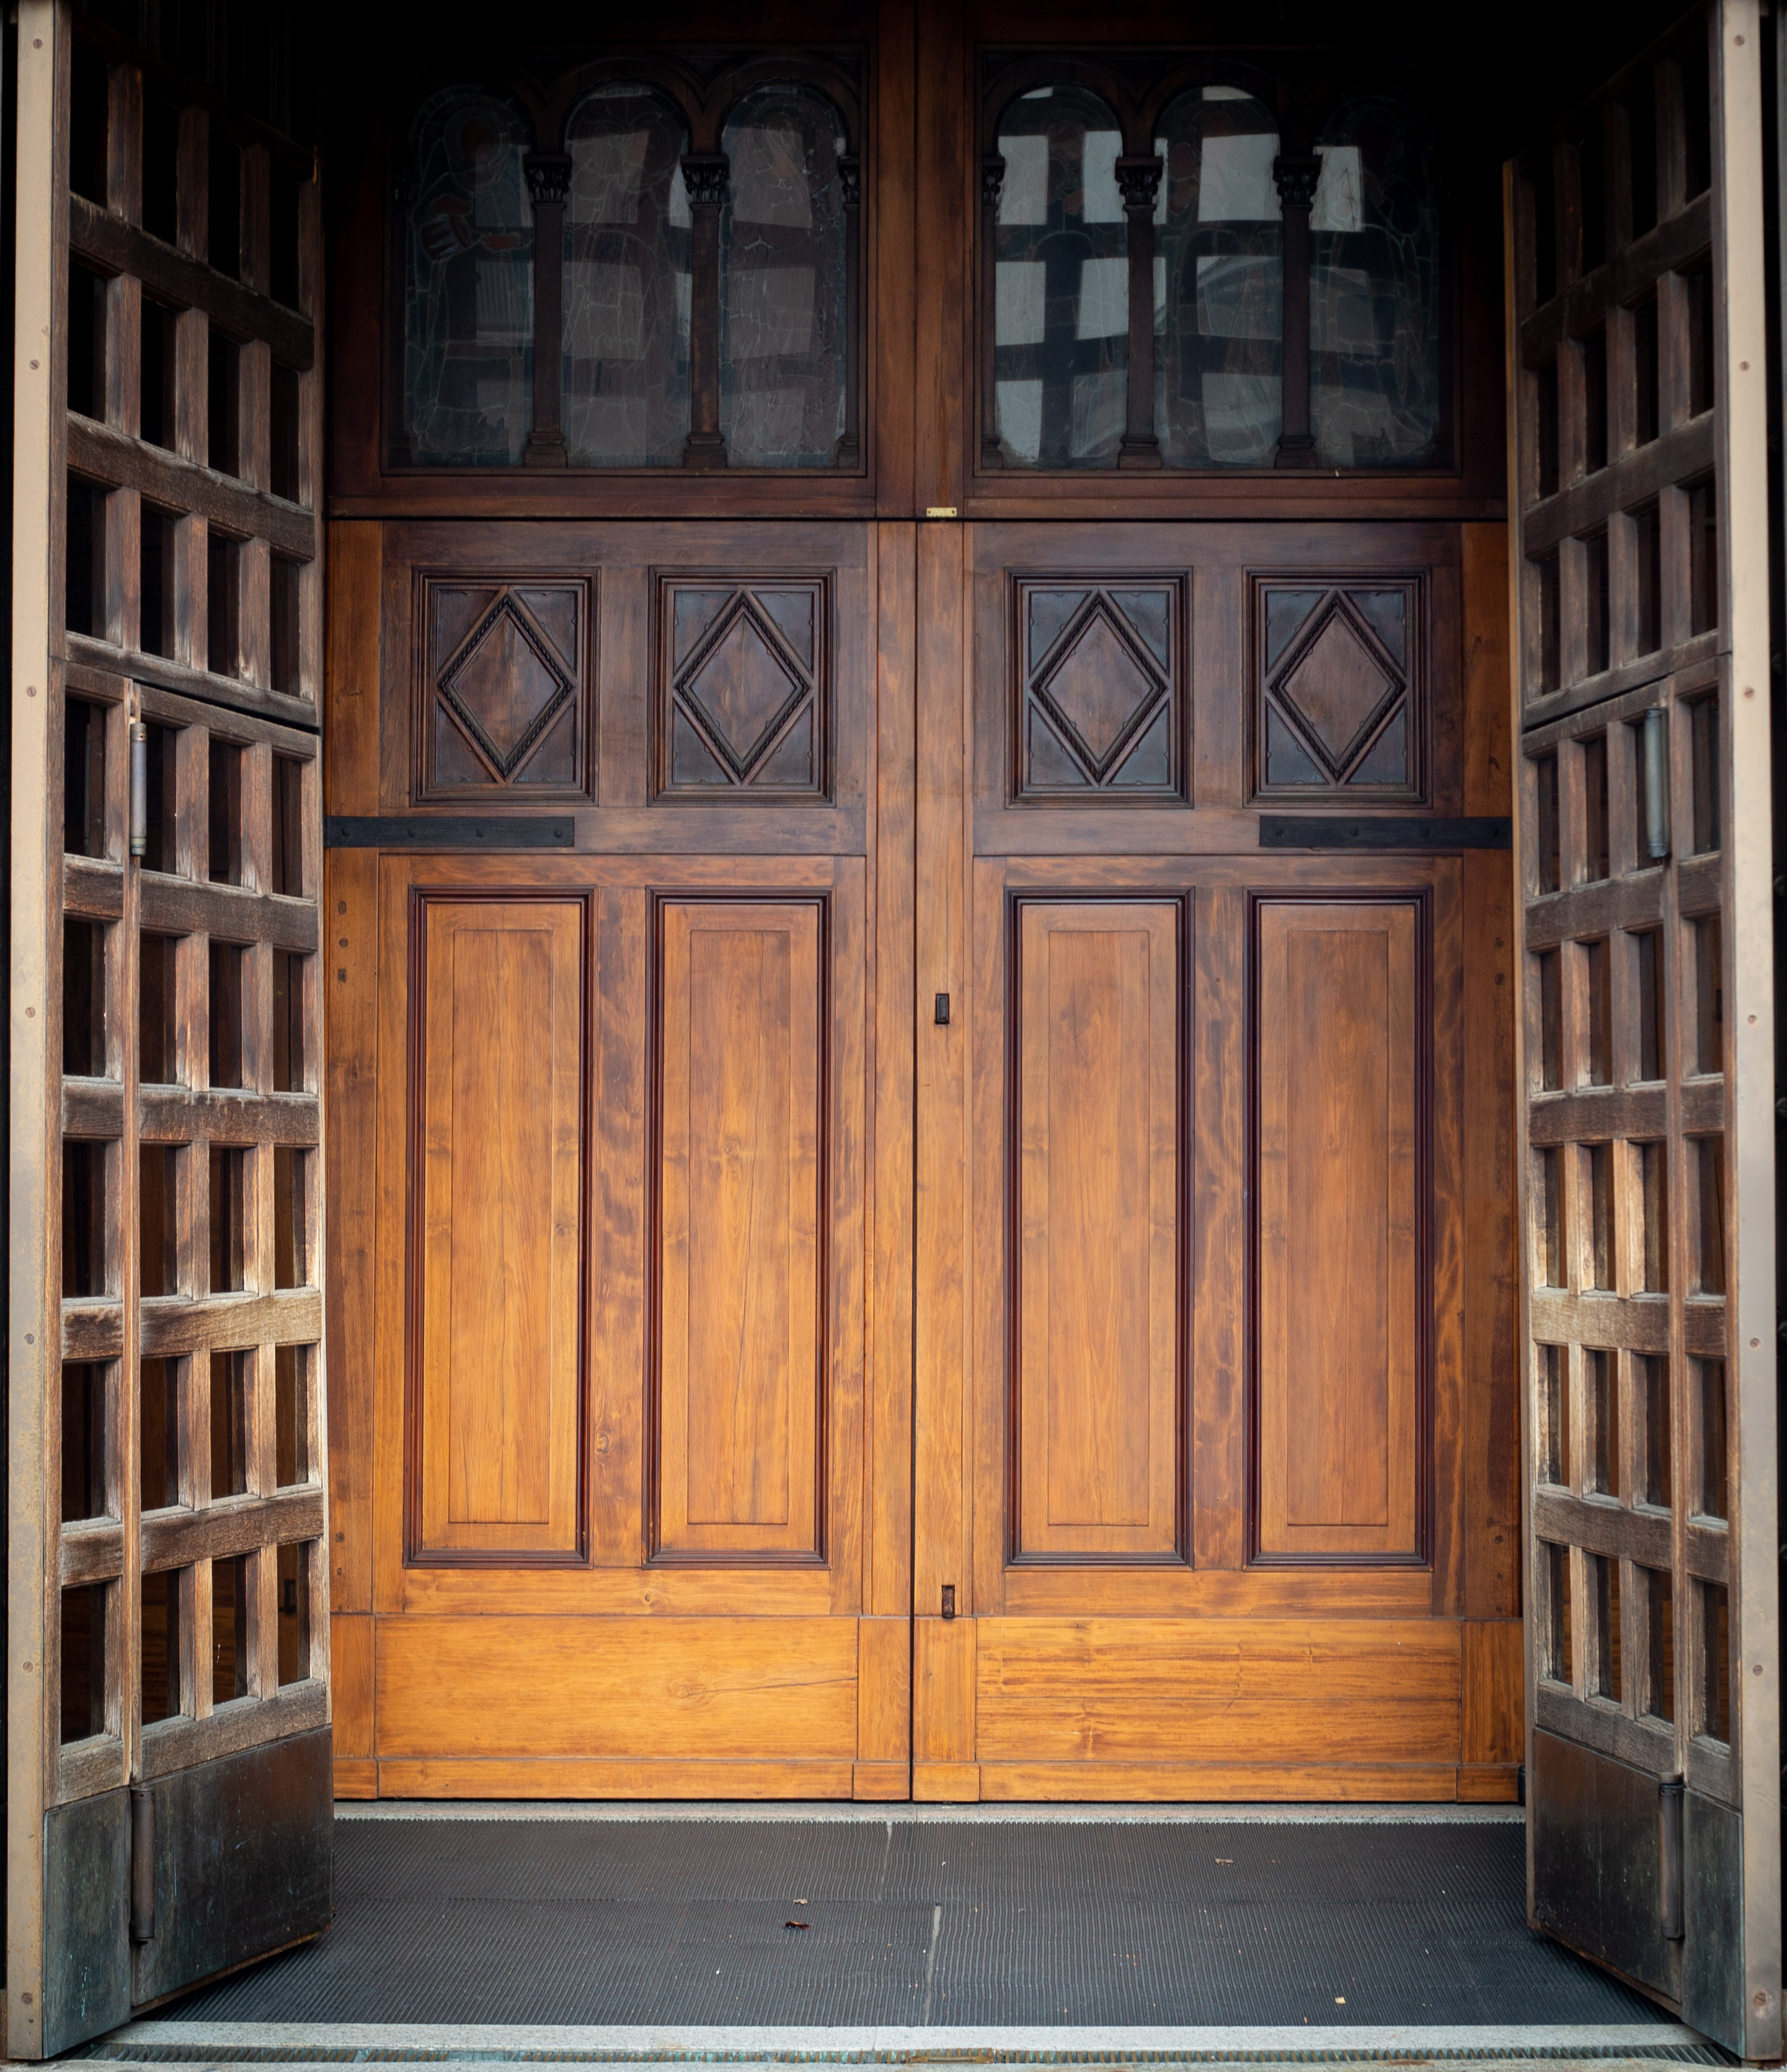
x=740, y=1132
x=1097, y=1279
x=1340, y=1237
x=499, y=1092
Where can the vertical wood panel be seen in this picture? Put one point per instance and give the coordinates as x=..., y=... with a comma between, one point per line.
x=887, y=1505
x=1097, y=1325
x=940, y=1314
x=1491, y=1519
x=1218, y=1227
x=1339, y=1226
x=499, y=1085
x=740, y=1207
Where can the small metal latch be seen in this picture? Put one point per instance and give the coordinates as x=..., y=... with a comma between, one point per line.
x=139, y=788
x=949, y=1600
x=1670, y=1792
x=142, y=1863
x=940, y=510
x=940, y=1011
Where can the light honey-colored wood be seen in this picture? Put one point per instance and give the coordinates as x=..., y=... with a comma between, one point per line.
x=1338, y=1183
x=501, y=1185
x=740, y=1207
x=1098, y=1228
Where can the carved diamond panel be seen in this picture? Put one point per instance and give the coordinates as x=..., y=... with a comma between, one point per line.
x=743, y=701
x=1339, y=690
x=1098, y=703
x=504, y=687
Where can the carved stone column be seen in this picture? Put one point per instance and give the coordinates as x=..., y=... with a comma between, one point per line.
x=549, y=183
x=1296, y=176
x=1138, y=182
x=705, y=174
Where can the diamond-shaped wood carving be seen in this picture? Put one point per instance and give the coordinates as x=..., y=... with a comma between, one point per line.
x=1338, y=692
x=504, y=686
x=743, y=693
x=1098, y=703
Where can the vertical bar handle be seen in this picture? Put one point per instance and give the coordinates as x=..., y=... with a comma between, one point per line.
x=1670, y=1794
x=1657, y=782
x=142, y=1863
x=139, y=788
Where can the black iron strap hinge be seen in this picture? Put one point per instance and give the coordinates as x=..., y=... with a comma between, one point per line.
x=1382, y=831
x=441, y=831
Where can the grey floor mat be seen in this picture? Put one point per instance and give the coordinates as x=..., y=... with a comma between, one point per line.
x=531, y=1921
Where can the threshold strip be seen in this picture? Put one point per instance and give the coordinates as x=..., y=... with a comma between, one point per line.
x=878, y=1813
x=331, y=2043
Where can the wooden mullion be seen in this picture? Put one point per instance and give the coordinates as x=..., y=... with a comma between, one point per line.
x=1672, y=140
x=311, y=593
x=178, y=484
x=183, y=280
x=192, y=183
x=128, y=1678
x=704, y=175
x=256, y=269
x=1616, y=174
x=195, y=1579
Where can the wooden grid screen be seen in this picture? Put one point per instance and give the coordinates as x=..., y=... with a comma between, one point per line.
x=186, y=1553
x=1624, y=694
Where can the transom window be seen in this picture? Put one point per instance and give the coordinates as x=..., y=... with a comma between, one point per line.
x=632, y=275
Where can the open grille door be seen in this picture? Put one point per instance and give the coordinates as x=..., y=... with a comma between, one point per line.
x=168, y=1760
x=1638, y=456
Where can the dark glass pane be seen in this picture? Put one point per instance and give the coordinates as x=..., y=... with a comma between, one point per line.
x=292, y=1415
x=226, y=1015
x=294, y=1612
x=232, y=1377
x=157, y=1172
x=87, y=293
x=158, y=1432
x=1218, y=302
x=84, y=1045
x=1060, y=283
x=86, y=1269
x=158, y=1001
x=83, y=1667
x=1374, y=292
x=83, y=779
x=85, y=1439
x=468, y=284
x=229, y=1630
x=626, y=393
x=161, y=1644
x=224, y=864
x=783, y=305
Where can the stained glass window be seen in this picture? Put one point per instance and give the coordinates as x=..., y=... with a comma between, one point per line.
x=1060, y=287
x=784, y=302
x=468, y=283
x=1375, y=291
x=1218, y=282
x=626, y=282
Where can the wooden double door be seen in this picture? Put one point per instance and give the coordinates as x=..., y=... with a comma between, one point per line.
x=902, y=1146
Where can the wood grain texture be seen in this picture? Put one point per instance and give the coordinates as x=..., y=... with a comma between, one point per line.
x=756, y=1690
x=940, y=1550
x=1491, y=1519
x=351, y=1680
x=498, y=1435
x=1494, y=1700
x=355, y=1777
x=888, y=1505
x=1220, y=1783
x=1096, y=1279
x=1151, y=1692
x=884, y=1693
x=1219, y=1228
x=943, y=1691
x=1340, y=1265
x=740, y=1206
x=599, y=1778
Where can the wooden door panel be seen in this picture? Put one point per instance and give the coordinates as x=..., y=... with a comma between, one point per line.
x=1097, y=1281
x=499, y=1108
x=1339, y=1009
x=741, y=1214
x=707, y=1129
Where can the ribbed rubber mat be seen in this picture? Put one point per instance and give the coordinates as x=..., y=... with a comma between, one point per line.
x=536, y=1921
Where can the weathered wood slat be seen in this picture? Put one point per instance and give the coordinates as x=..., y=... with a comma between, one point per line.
x=1595, y=1114
x=179, y=906
x=93, y=887
x=175, y=1539
x=1602, y=1526
x=1637, y=478
x=218, y=1323
x=1668, y=247
x=102, y=661
x=91, y=1552
x=91, y=1330
x=165, y=478
x=1646, y=1744
x=172, y=1744
x=113, y=246
x=178, y=1114
x=1631, y=1323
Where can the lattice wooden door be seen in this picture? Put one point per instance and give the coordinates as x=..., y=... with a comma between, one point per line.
x=1638, y=344
x=168, y=1796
